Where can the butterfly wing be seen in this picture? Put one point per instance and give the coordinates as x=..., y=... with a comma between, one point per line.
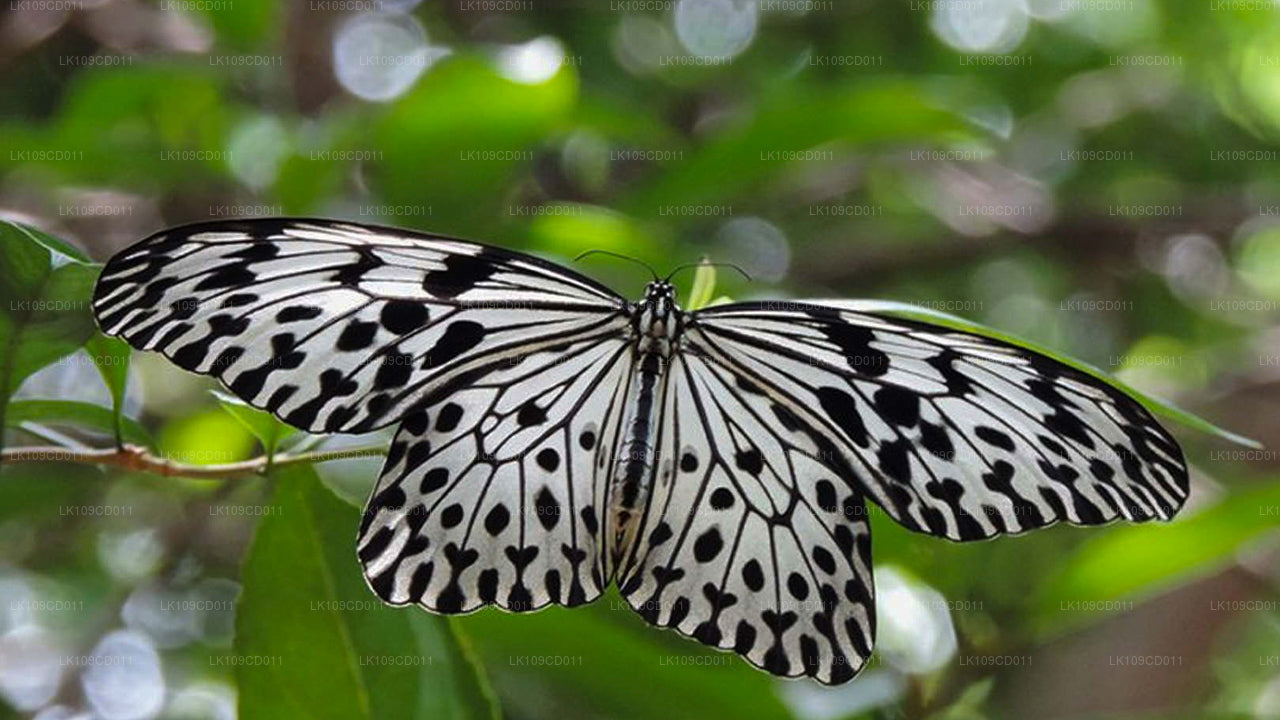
x=953, y=434
x=494, y=494
x=750, y=541
x=336, y=326
x=779, y=418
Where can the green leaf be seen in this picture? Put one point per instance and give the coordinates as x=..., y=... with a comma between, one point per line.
x=1135, y=560
x=111, y=356
x=312, y=641
x=792, y=120
x=35, y=491
x=148, y=109
x=210, y=436
x=263, y=425
x=571, y=228
x=969, y=705
x=54, y=245
x=78, y=414
x=473, y=688
x=603, y=660
x=46, y=286
x=704, y=285
x=1155, y=405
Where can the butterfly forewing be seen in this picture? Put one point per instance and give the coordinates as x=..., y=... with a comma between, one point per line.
x=752, y=542
x=953, y=434
x=337, y=326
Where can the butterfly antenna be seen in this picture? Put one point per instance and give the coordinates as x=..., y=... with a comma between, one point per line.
x=610, y=253
x=704, y=261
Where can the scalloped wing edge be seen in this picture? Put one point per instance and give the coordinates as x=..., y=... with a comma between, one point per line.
x=1160, y=407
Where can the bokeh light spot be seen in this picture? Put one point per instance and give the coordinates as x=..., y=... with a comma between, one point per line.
x=715, y=28
x=379, y=56
x=123, y=680
x=758, y=246
x=990, y=26
x=531, y=63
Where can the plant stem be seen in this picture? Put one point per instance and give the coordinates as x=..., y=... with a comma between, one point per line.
x=135, y=457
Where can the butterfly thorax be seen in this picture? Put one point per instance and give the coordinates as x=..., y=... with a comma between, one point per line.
x=657, y=323
x=656, y=319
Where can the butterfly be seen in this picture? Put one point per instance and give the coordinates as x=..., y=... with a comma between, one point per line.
x=552, y=437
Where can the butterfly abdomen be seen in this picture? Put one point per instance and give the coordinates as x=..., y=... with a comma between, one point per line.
x=629, y=484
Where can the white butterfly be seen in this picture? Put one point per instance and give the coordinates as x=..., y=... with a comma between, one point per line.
x=554, y=438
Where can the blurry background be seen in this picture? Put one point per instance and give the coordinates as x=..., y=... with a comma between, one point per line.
x=1099, y=176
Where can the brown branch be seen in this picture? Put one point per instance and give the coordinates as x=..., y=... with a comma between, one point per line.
x=134, y=457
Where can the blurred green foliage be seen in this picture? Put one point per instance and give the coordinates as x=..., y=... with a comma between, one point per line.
x=1108, y=189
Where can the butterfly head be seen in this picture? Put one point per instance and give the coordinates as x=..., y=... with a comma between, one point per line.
x=656, y=318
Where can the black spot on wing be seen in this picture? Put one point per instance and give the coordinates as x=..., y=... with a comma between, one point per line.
x=548, y=459
x=404, y=316
x=589, y=521
x=823, y=559
x=358, y=335
x=935, y=439
x=708, y=545
x=688, y=462
x=257, y=252
x=957, y=383
x=227, y=276
x=826, y=492
x=894, y=459
x=452, y=516
x=238, y=300
x=660, y=534
x=460, y=274
x=843, y=411
x=293, y=313
x=547, y=508
x=352, y=274
x=449, y=417
x=458, y=338
x=1069, y=425
x=750, y=460
x=797, y=586
x=183, y=309
x=530, y=414
x=897, y=405
x=855, y=343
x=497, y=519
x=433, y=480
x=994, y=437
x=1000, y=480
x=394, y=371
x=722, y=498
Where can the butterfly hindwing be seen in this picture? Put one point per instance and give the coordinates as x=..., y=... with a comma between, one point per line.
x=494, y=494
x=953, y=434
x=336, y=326
x=751, y=542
